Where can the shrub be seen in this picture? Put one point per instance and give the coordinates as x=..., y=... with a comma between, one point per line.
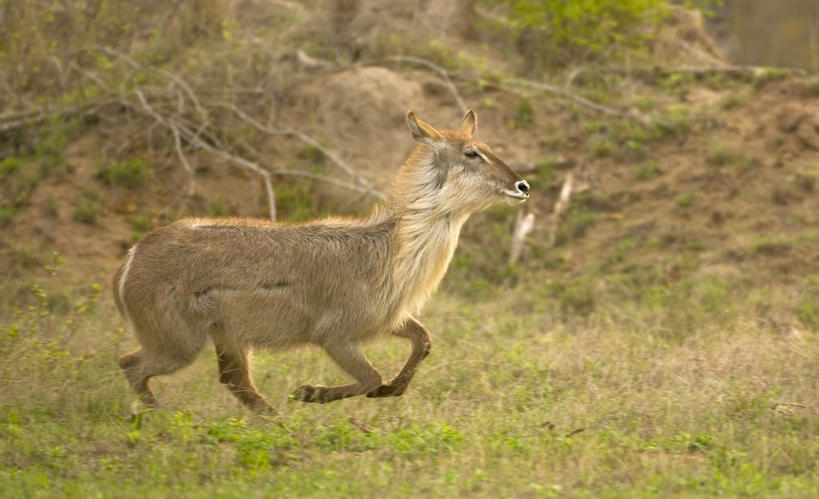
x=127, y=173
x=567, y=30
x=88, y=209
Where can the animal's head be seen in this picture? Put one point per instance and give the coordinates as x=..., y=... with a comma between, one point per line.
x=457, y=172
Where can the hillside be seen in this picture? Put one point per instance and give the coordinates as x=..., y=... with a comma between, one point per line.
x=672, y=325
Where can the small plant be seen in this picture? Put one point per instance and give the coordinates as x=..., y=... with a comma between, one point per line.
x=7, y=214
x=312, y=155
x=731, y=101
x=88, y=209
x=720, y=155
x=686, y=200
x=602, y=148
x=648, y=171
x=126, y=173
x=812, y=86
x=219, y=208
x=546, y=172
x=141, y=223
x=524, y=113
x=51, y=208
x=586, y=28
x=769, y=75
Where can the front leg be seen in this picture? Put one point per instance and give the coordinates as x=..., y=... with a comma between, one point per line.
x=351, y=358
x=421, y=341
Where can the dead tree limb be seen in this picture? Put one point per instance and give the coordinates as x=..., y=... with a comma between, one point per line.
x=524, y=223
x=196, y=141
x=343, y=165
x=561, y=205
x=178, y=145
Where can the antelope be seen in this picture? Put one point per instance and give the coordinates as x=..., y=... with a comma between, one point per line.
x=335, y=283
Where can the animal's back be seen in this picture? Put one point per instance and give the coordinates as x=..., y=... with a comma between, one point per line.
x=272, y=284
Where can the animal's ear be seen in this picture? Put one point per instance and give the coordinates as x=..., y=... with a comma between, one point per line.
x=423, y=132
x=469, y=125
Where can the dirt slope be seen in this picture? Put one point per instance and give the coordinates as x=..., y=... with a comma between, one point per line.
x=726, y=170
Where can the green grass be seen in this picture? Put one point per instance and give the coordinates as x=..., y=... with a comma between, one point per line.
x=131, y=173
x=720, y=155
x=520, y=397
x=88, y=209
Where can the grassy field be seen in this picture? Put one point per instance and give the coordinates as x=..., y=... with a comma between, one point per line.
x=667, y=344
x=517, y=399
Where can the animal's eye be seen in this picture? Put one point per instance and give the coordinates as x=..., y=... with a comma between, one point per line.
x=471, y=153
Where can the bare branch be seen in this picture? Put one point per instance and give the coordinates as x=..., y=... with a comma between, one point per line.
x=178, y=144
x=312, y=142
x=329, y=180
x=195, y=140
x=171, y=76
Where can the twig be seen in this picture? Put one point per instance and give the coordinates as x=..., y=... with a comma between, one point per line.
x=178, y=144
x=438, y=69
x=176, y=79
x=560, y=207
x=329, y=180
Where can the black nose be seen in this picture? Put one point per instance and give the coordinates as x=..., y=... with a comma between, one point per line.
x=523, y=187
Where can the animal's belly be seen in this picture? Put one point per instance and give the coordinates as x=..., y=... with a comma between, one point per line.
x=265, y=319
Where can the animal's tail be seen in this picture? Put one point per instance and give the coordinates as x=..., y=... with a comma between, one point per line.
x=120, y=279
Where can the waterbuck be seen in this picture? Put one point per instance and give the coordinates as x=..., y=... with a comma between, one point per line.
x=335, y=283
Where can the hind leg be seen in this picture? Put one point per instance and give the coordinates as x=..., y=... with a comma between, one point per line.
x=140, y=366
x=132, y=365
x=234, y=372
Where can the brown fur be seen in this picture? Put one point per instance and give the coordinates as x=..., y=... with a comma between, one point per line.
x=333, y=283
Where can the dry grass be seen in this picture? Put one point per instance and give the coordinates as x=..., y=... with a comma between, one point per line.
x=511, y=402
x=666, y=345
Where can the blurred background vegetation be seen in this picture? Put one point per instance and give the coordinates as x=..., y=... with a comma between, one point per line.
x=657, y=337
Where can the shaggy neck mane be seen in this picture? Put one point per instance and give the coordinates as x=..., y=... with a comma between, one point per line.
x=426, y=231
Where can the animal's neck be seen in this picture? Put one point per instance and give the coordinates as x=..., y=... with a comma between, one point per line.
x=426, y=232
x=425, y=243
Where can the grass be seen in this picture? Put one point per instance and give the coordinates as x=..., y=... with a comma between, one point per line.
x=132, y=173
x=720, y=155
x=518, y=398
x=88, y=209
